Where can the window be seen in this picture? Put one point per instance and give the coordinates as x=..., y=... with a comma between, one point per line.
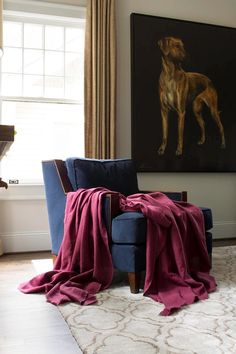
x=41, y=91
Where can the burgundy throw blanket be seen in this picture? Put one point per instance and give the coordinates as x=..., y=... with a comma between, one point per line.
x=177, y=269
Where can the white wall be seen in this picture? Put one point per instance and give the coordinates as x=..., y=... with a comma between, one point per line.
x=23, y=219
x=216, y=190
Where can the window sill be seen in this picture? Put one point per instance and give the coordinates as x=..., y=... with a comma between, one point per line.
x=23, y=192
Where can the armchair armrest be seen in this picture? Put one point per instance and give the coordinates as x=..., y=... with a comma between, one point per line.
x=179, y=196
x=110, y=209
x=111, y=205
x=62, y=175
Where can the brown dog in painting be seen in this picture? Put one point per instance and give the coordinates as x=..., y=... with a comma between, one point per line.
x=177, y=86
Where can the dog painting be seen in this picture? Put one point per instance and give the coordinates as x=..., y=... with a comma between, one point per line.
x=183, y=102
x=176, y=87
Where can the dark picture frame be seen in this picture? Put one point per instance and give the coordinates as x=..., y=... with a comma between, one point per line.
x=210, y=53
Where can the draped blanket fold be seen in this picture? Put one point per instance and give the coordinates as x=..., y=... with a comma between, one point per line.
x=177, y=263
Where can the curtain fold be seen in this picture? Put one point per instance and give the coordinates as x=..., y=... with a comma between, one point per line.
x=100, y=79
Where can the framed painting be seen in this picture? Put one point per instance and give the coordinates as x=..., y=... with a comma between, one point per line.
x=183, y=93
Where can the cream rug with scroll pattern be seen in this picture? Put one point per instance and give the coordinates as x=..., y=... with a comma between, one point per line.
x=123, y=323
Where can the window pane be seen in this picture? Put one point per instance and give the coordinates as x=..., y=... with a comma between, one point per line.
x=12, y=60
x=33, y=85
x=54, y=38
x=12, y=34
x=49, y=135
x=73, y=64
x=54, y=87
x=33, y=36
x=54, y=63
x=33, y=61
x=11, y=84
x=74, y=89
x=74, y=39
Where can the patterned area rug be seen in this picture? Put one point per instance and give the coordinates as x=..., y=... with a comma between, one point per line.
x=125, y=323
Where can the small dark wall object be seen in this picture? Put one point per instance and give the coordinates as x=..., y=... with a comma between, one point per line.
x=183, y=78
x=6, y=139
x=3, y=184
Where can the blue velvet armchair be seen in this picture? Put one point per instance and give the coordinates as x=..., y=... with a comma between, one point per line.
x=127, y=230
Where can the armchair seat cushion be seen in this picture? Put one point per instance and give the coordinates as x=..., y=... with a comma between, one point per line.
x=207, y=214
x=129, y=228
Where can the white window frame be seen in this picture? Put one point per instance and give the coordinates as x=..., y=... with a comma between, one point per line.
x=39, y=19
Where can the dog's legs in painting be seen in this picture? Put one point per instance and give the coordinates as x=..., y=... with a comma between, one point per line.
x=181, y=118
x=221, y=129
x=216, y=116
x=164, y=117
x=209, y=96
x=197, y=108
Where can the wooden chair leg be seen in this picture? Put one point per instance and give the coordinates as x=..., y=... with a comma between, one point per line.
x=134, y=282
x=210, y=257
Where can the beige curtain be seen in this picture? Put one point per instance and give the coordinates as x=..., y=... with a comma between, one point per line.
x=100, y=79
x=1, y=19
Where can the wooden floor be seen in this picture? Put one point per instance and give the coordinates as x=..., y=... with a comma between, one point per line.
x=28, y=324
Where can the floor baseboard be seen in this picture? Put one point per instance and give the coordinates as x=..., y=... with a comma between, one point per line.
x=224, y=242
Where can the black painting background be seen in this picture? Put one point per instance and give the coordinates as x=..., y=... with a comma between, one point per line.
x=211, y=51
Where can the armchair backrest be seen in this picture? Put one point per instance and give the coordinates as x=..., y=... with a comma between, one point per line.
x=61, y=177
x=117, y=175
